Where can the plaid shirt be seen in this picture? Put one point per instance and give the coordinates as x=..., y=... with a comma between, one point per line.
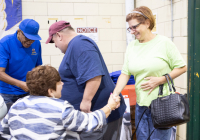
x=44, y=118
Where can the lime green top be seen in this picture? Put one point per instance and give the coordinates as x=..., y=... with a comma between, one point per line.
x=154, y=58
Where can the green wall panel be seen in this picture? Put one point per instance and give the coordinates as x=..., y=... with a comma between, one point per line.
x=193, y=127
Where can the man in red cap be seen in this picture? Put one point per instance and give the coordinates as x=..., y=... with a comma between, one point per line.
x=19, y=53
x=87, y=83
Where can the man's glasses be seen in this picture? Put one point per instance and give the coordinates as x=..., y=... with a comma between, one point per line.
x=133, y=27
x=28, y=40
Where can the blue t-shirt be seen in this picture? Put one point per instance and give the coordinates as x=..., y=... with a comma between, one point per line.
x=82, y=62
x=17, y=60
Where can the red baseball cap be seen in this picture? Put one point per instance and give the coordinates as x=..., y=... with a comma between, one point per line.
x=56, y=27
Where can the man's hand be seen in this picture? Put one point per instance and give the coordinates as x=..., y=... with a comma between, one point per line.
x=23, y=86
x=91, y=88
x=152, y=83
x=12, y=81
x=85, y=106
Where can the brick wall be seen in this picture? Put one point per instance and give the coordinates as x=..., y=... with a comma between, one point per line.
x=107, y=15
x=180, y=15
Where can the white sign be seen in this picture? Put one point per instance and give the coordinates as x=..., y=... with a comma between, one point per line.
x=91, y=32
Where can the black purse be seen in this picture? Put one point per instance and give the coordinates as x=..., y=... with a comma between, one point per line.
x=169, y=110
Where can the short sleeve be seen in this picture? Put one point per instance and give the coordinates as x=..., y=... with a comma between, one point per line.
x=4, y=56
x=174, y=56
x=126, y=61
x=39, y=60
x=88, y=66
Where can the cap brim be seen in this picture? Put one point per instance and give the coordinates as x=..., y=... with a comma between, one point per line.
x=49, y=40
x=32, y=37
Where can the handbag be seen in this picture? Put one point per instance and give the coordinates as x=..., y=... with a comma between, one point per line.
x=169, y=110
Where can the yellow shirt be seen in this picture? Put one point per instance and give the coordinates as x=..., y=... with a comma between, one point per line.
x=154, y=58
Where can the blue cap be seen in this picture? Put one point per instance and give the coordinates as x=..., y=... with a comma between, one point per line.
x=30, y=29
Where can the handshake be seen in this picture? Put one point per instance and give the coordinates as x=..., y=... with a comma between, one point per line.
x=113, y=101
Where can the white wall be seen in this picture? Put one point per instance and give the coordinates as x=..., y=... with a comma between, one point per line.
x=107, y=15
x=163, y=10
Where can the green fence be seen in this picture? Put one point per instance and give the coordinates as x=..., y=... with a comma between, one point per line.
x=193, y=127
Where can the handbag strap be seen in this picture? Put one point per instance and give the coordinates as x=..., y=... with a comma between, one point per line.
x=151, y=134
x=170, y=85
x=170, y=89
x=138, y=124
x=171, y=82
x=160, y=90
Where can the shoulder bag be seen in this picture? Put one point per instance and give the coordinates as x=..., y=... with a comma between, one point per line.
x=169, y=110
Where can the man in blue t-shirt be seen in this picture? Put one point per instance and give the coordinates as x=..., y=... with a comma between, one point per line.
x=87, y=83
x=19, y=53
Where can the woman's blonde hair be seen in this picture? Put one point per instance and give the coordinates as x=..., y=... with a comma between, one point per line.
x=147, y=15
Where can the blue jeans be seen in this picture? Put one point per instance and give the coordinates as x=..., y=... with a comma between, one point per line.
x=11, y=98
x=146, y=126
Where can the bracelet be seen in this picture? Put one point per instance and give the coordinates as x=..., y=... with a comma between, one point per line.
x=109, y=108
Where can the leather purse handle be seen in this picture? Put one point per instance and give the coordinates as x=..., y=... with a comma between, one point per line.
x=160, y=90
x=171, y=82
x=170, y=89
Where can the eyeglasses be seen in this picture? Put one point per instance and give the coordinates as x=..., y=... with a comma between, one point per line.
x=133, y=27
x=26, y=39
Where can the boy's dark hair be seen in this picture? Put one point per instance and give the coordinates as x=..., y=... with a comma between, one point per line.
x=42, y=78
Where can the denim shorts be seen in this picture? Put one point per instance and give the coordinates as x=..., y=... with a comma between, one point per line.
x=146, y=126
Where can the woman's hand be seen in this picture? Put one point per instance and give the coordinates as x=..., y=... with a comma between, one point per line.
x=115, y=97
x=152, y=83
x=111, y=105
x=113, y=101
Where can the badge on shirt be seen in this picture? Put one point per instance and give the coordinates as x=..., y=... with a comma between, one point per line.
x=33, y=52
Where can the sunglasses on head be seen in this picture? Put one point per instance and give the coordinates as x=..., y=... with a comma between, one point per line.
x=133, y=27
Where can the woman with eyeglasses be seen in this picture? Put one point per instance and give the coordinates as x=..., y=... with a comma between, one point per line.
x=148, y=58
